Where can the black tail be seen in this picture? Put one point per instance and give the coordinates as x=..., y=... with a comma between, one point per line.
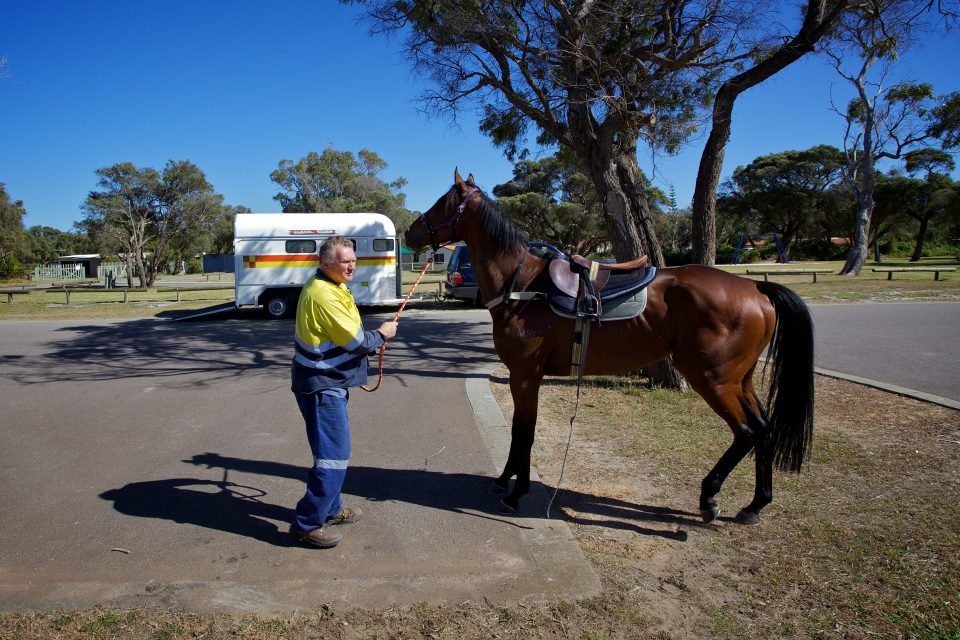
x=790, y=398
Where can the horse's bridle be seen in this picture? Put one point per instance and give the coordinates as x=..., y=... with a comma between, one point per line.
x=452, y=222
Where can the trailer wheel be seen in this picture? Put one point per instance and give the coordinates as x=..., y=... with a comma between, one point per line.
x=277, y=307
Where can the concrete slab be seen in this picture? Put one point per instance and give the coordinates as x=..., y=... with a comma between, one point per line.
x=157, y=463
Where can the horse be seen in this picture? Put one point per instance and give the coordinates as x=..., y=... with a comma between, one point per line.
x=715, y=326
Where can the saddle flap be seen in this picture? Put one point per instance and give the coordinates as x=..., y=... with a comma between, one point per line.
x=564, y=278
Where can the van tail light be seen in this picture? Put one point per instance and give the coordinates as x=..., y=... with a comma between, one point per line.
x=456, y=278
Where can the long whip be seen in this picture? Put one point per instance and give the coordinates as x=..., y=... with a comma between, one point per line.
x=383, y=347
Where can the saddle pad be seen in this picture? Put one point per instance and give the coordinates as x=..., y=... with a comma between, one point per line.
x=621, y=305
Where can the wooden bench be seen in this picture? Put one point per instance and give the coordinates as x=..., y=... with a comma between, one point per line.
x=16, y=292
x=892, y=270
x=766, y=273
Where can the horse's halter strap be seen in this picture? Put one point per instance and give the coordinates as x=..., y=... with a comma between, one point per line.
x=452, y=222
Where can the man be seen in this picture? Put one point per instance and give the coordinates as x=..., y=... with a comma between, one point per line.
x=331, y=349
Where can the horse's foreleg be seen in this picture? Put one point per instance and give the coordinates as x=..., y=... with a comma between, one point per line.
x=524, y=390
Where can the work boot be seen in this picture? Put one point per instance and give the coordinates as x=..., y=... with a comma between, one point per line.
x=346, y=516
x=320, y=537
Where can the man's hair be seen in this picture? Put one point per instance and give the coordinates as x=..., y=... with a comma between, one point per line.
x=328, y=250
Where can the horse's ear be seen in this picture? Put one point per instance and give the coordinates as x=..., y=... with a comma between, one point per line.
x=470, y=180
x=457, y=180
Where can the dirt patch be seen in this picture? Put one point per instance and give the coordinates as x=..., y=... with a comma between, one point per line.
x=862, y=544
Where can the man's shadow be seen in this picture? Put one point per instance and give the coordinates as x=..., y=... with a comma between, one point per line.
x=244, y=510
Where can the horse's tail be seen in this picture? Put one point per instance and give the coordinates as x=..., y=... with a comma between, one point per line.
x=790, y=397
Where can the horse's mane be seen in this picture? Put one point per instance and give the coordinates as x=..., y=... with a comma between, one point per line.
x=496, y=225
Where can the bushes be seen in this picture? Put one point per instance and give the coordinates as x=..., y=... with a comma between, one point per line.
x=10, y=267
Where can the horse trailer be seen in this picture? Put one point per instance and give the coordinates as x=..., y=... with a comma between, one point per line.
x=276, y=253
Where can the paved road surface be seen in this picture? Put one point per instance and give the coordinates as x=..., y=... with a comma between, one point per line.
x=151, y=462
x=915, y=346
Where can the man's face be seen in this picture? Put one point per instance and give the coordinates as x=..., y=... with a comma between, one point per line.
x=341, y=270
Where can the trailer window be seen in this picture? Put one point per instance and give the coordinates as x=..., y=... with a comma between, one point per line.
x=301, y=246
x=383, y=244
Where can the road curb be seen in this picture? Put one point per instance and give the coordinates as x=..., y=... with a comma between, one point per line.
x=548, y=540
x=892, y=388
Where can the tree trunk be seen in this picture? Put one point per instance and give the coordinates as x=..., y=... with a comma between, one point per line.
x=918, y=247
x=129, y=262
x=860, y=247
x=704, y=217
x=633, y=186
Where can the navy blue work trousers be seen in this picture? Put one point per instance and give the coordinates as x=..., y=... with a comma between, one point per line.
x=328, y=432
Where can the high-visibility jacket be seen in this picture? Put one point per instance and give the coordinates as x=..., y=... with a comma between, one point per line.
x=331, y=346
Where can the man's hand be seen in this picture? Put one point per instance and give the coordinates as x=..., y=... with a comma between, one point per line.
x=388, y=329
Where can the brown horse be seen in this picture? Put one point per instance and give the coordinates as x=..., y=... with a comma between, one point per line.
x=715, y=325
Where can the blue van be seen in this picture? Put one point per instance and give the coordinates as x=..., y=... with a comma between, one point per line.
x=461, y=283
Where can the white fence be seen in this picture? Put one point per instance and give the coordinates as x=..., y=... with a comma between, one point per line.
x=111, y=272
x=59, y=272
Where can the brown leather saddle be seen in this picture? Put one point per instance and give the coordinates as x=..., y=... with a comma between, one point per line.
x=580, y=284
x=570, y=275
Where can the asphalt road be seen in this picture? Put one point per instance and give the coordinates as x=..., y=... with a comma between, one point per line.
x=157, y=463
x=907, y=347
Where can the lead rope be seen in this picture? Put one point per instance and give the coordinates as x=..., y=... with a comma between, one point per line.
x=383, y=347
x=582, y=360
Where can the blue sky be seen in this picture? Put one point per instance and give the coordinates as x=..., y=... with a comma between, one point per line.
x=235, y=87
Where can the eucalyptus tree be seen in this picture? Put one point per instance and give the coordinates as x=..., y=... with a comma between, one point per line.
x=143, y=214
x=339, y=181
x=819, y=16
x=886, y=118
x=553, y=201
x=598, y=78
x=785, y=192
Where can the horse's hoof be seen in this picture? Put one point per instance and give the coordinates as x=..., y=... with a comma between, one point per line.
x=497, y=490
x=748, y=517
x=709, y=515
x=505, y=509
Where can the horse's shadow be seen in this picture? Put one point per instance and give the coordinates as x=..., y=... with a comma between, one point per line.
x=245, y=510
x=647, y=520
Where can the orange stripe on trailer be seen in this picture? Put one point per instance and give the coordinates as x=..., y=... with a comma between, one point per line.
x=308, y=260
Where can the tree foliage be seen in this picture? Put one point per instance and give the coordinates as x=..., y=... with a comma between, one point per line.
x=338, y=181
x=784, y=193
x=150, y=217
x=921, y=200
x=553, y=201
x=14, y=245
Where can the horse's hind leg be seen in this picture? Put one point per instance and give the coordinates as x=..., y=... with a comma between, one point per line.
x=524, y=389
x=738, y=406
x=710, y=487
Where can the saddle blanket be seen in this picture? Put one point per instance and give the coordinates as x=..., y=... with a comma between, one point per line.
x=617, y=302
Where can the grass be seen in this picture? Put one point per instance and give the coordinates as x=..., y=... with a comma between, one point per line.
x=98, y=304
